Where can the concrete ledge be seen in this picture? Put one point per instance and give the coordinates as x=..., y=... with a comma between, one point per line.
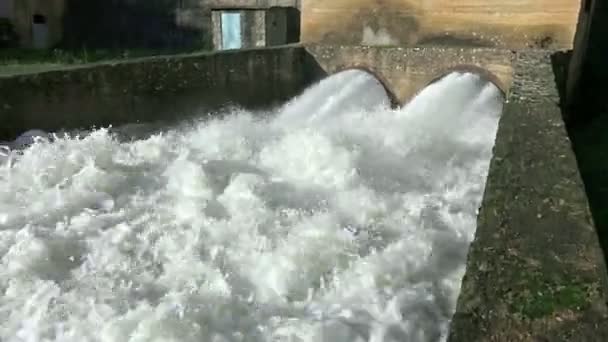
x=405, y=71
x=535, y=270
x=149, y=89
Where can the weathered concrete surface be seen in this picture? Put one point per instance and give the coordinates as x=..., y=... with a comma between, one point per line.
x=535, y=271
x=492, y=23
x=149, y=89
x=406, y=71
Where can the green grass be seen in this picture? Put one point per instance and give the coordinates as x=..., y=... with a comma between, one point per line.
x=17, y=60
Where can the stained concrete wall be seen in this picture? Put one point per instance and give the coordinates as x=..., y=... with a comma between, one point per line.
x=492, y=23
x=132, y=24
x=253, y=28
x=149, y=89
x=264, y=23
x=405, y=71
x=282, y=26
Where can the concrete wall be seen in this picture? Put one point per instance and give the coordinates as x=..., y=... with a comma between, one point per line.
x=406, y=71
x=535, y=271
x=282, y=26
x=131, y=24
x=498, y=23
x=149, y=89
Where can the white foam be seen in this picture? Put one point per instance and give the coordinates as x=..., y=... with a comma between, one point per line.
x=337, y=219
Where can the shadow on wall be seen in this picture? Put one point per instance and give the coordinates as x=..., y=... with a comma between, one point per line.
x=589, y=124
x=145, y=24
x=590, y=96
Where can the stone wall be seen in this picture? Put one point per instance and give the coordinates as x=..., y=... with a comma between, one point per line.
x=405, y=71
x=149, y=89
x=492, y=23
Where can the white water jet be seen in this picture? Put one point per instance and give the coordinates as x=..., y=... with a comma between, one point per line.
x=325, y=222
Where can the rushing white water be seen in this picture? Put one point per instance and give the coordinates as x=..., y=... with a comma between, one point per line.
x=335, y=219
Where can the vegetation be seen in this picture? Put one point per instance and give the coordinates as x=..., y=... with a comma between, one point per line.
x=17, y=56
x=17, y=60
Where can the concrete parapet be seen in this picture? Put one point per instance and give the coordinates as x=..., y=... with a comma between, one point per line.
x=148, y=89
x=535, y=270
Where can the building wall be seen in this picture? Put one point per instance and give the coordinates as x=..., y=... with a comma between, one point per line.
x=260, y=26
x=137, y=24
x=535, y=243
x=496, y=23
x=142, y=23
x=6, y=8
x=24, y=10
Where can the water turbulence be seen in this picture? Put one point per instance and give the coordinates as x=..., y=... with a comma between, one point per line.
x=335, y=219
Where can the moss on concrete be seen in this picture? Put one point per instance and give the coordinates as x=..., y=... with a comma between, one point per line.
x=544, y=297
